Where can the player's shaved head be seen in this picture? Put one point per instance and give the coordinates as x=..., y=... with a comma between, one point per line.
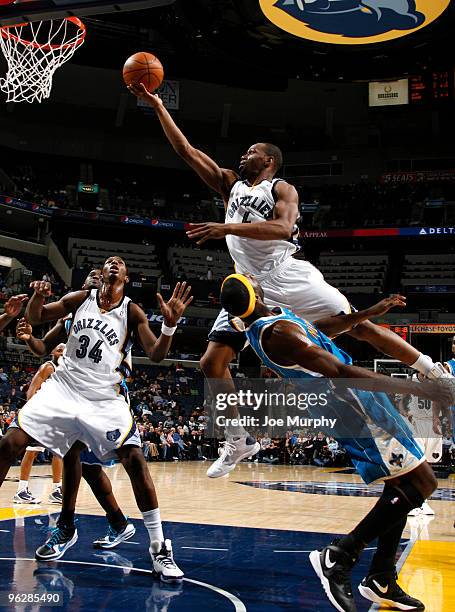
x=93, y=280
x=275, y=152
x=58, y=351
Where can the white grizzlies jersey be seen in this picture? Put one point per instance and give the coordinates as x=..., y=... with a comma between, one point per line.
x=98, y=351
x=255, y=204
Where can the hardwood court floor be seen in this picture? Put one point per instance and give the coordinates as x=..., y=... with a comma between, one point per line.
x=310, y=501
x=186, y=494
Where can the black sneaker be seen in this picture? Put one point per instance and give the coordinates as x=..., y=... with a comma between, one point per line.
x=333, y=566
x=57, y=544
x=383, y=589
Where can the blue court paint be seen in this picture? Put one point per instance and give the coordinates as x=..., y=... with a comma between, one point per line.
x=351, y=489
x=251, y=575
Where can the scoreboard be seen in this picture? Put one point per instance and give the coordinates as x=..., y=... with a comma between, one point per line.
x=400, y=330
x=430, y=87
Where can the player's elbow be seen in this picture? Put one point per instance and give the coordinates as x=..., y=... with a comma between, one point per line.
x=184, y=150
x=286, y=231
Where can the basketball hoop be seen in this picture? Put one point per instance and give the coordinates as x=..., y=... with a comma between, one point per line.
x=34, y=51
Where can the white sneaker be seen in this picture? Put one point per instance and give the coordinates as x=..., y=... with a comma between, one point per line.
x=163, y=562
x=231, y=452
x=25, y=497
x=427, y=509
x=416, y=512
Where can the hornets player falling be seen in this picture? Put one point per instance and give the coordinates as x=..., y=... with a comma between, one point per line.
x=260, y=228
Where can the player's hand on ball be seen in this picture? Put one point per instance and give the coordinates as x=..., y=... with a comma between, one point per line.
x=140, y=90
x=13, y=306
x=386, y=304
x=42, y=288
x=176, y=306
x=201, y=232
x=23, y=330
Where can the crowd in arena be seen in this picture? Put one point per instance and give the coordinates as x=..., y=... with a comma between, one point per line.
x=171, y=415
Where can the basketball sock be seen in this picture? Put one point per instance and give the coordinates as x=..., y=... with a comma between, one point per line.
x=152, y=522
x=56, y=485
x=385, y=556
x=66, y=519
x=389, y=511
x=424, y=364
x=23, y=484
x=117, y=520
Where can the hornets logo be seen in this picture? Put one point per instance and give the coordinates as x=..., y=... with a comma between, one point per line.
x=352, y=22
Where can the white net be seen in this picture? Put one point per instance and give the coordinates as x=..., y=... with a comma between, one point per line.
x=33, y=52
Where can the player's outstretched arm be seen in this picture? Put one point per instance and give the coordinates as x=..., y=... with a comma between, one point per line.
x=12, y=308
x=215, y=177
x=37, y=312
x=158, y=348
x=288, y=339
x=339, y=324
x=44, y=346
x=281, y=227
x=40, y=377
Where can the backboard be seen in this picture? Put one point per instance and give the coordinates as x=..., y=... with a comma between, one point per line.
x=40, y=10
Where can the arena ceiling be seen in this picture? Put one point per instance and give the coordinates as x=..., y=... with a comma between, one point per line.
x=235, y=42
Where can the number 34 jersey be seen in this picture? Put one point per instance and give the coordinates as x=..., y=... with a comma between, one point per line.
x=98, y=352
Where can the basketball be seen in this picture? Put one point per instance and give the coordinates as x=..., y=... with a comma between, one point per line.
x=143, y=68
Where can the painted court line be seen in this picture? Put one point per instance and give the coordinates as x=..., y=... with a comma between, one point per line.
x=202, y=548
x=239, y=606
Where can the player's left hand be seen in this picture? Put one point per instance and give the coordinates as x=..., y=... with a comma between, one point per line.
x=14, y=304
x=23, y=330
x=386, y=304
x=201, y=232
x=176, y=306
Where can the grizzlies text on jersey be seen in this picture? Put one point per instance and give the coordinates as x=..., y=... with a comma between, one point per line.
x=255, y=204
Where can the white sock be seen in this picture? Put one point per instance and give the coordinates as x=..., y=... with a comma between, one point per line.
x=152, y=522
x=23, y=484
x=424, y=364
x=56, y=485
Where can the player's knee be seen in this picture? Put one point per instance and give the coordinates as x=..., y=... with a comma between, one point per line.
x=89, y=475
x=133, y=461
x=364, y=331
x=12, y=444
x=207, y=364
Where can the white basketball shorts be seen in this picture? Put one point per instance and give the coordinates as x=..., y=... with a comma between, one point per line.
x=295, y=284
x=58, y=415
x=428, y=439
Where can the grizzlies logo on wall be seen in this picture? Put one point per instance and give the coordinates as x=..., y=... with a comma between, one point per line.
x=352, y=22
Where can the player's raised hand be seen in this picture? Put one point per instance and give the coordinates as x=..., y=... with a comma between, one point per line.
x=201, y=232
x=23, y=330
x=140, y=90
x=176, y=306
x=386, y=304
x=42, y=288
x=13, y=306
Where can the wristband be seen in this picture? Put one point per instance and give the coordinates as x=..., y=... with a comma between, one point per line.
x=167, y=331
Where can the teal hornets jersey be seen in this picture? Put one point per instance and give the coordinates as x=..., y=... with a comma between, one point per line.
x=313, y=336
x=451, y=364
x=383, y=445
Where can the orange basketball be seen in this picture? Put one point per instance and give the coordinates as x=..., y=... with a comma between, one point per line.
x=143, y=68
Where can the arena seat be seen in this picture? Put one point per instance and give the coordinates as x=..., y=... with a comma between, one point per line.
x=141, y=259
